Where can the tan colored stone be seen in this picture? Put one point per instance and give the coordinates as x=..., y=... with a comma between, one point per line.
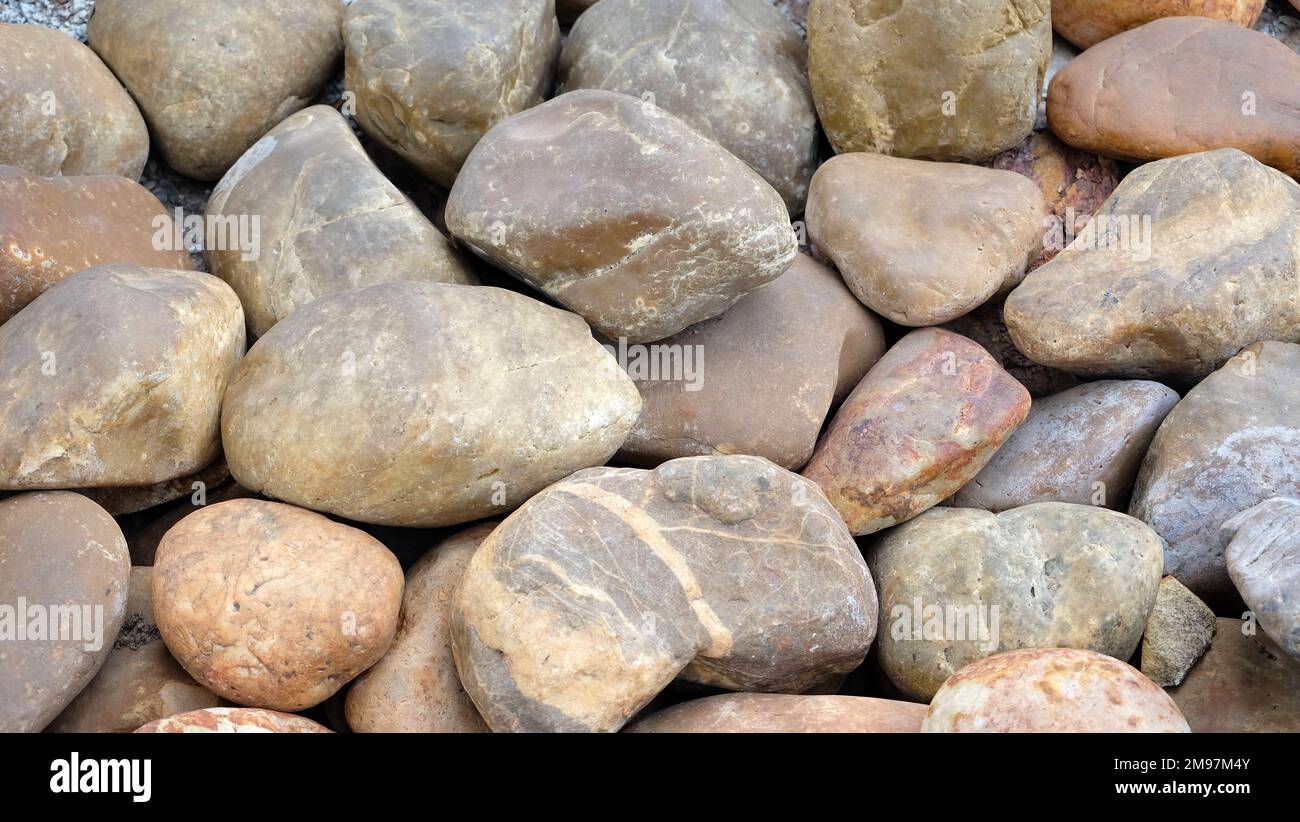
x=233, y=721
x=143, y=541
x=1243, y=684
x=628, y=216
x=1263, y=557
x=271, y=606
x=1177, y=633
x=1087, y=22
x=784, y=713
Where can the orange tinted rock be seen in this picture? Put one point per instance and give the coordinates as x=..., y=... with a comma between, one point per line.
x=1087, y=22
x=784, y=713
x=233, y=721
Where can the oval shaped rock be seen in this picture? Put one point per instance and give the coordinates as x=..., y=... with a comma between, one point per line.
x=114, y=377
x=1245, y=683
x=593, y=597
x=272, y=606
x=783, y=714
x=1052, y=690
x=62, y=111
x=1263, y=557
x=423, y=404
x=622, y=213
x=233, y=721
x=1087, y=22
x=924, y=420
x=432, y=76
x=343, y=227
x=66, y=571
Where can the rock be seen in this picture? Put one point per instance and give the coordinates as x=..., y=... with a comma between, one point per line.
x=1231, y=443
x=50, y=228
x=1083, y=445
x=133, y=499
x=759, y=350
x=1052, y=690
x=784, y=713
x=140, y=681
x=959, y=584
x=328, y=221
x=431, y=77
x=734, y=71
x=924, y=420
x=985, y=327
x=1180, y=85
x=233, y=721
x=1263, y=557
x=923, y=243
x=414, y=688
x=62, y=111
x=62, y=599
x=724, y=571
x=423, y=404
x=1160, y=289
x=1177, y=633
x=1244, y=684
x=143, y=542
x=272, y=606
x=925, y=78
x=114, y=377
x=1087, y=22
x=578, y=221
x=212, y=77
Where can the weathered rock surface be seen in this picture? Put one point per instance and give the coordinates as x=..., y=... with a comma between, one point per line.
x=558, y=196
x=958, y=585
x=1087, y=22
x=1052, y=690
x=1263, y=557
x=925, y=419
x=1180, y=85
x=985, y=327
x=131, y=499
x=414, y=688
x=272, y=606
x=923, y=243
x=431, y=77
x=1244, y=684
x=234, y=721
x=1179, y=630
x=928, y=78
x=65, y=573
x=784, y=713
x=423, y=404
x=758, y=350
x=211, y=76
x=1231, y=443
x=50, y=228
x=1159, y=287
x=143, y=542
x=1083, y=445
x=114, y=376
x=733, y=70
x=328, y=219
x=594, y=596
x=62, y=111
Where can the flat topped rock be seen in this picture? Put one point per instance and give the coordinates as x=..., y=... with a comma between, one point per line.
x=784, y=713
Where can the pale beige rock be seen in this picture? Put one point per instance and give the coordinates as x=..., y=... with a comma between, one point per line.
x=1177, y=633
x=233, y=721
x=1243, y=684
x=784, y=713
x=1087, y=22
x=1263, y=556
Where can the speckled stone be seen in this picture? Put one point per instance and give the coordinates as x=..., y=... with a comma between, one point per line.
x=1177, y=633
x=1263, y=557
x=233, y=721
x=783, y=714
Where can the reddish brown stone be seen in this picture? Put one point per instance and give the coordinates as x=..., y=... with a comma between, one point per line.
x=1243, y=684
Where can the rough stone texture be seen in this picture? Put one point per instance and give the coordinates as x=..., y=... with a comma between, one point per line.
x=733, y=70
x=212, y=76
x=984, y=326
x=1180, y=85
x=143, y=542
x=1104, y=308
x=1233, y=442
x=114, y=376
x=924, y=420
x=1177, y=633
x=784, y=713
x=50, y=228
x=68, y=16
x=272, y=606
x=140, y=681
x=1244, y=684
x=62, y=111
x=724, y=571
x=1041, y=576
x=923, y=243
x=598, y=199
x=759, y=350
x=329, y=222
x=233, y=721
x=58, y=550
x=133, y=499
x=1052, y=690
x=1093, y=433
x=415, y=687
x=431, y=77
x=1263, y=557
x=423, y=404
x=928, y=78
x=1086, y=23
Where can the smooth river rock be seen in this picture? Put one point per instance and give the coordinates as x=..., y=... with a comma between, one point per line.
x=1244, y=684
x=783, y=714
x=601, y=590
x=1178, y=631
x=1263, y=557
x=1086, y=23
x=233, y=721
